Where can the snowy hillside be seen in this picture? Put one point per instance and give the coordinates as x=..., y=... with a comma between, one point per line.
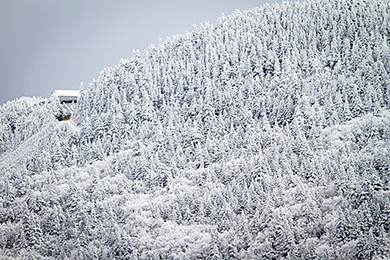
x=22, y=118
x=264, y=136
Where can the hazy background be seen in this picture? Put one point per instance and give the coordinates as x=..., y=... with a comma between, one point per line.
x=47, y=45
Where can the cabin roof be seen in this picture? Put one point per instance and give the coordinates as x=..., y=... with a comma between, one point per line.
x=66, y=95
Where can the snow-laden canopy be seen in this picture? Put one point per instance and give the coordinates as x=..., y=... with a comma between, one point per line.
x=264, y=136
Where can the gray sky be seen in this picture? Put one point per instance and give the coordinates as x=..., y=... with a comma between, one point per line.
x=47, y=45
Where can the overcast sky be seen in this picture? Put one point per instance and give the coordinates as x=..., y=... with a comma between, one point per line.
x=47, y=45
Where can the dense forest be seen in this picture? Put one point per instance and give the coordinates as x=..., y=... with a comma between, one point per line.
x=263, y=136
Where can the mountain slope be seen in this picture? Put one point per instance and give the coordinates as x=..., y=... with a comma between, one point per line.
x=22, y=118
x=264, y=136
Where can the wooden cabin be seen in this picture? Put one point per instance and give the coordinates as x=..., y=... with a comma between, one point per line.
x=67, y=96
x=67, y=99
